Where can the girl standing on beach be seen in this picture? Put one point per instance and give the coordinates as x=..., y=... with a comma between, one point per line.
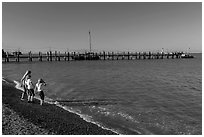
x=30, y=88
x=23, y=80
x=39, y=90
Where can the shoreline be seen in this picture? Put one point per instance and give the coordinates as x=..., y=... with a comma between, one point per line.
x=50, y=118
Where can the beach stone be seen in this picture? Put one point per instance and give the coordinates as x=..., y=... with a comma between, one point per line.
x=13, y=124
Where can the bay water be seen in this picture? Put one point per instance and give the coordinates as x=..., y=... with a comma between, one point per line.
x=156, y=96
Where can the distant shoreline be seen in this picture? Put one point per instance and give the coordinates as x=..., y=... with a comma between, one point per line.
x=47, y=119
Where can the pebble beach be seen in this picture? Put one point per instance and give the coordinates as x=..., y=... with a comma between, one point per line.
x=23, y=118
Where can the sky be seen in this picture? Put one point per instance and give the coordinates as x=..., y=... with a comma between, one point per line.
x=115, y=26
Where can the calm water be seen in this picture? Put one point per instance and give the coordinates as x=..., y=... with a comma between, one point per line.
x=129, y=97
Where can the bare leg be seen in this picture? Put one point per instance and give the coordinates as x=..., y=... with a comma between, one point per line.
x=31, y=98
x=28, y=98
x=22, y=96
x=24, y=92
x=41, y=102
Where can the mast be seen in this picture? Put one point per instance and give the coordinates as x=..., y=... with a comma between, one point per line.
x=90, y=40
x=188, y=51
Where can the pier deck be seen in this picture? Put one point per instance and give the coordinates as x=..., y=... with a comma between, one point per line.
x=69, y=56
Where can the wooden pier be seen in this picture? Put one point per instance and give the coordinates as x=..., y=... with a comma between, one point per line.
x=72, y=56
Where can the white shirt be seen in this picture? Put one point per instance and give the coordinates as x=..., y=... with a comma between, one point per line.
x=24, y=79
x=29, y=84
x=38, y=86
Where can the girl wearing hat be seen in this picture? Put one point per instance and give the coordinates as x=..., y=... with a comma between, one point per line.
x=23, y=80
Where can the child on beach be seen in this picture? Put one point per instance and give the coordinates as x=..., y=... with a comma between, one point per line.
x=39, y=90
x=23, y=80
x=30, y=88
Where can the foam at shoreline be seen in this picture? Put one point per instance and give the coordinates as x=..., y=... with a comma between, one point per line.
x=51, y=101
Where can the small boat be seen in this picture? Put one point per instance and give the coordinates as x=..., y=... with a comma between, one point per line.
x=86, y=56
x=186, y=56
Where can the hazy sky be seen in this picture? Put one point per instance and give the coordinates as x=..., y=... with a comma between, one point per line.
x=114, y=26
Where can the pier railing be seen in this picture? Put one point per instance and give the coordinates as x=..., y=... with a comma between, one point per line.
x=70, y=56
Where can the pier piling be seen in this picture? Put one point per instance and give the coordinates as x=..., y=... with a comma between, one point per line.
x=50, y=55
x=65, y=56
x=48, y=58
x=55, y=55
x=29, y=56
x=40, y=56
x=59, y=56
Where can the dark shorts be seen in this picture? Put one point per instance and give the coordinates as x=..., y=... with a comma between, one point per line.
x=31, y=92
x=41, y=94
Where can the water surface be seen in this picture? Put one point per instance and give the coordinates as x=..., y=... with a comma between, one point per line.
x=161, y=96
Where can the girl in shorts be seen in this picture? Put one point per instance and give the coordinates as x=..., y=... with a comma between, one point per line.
x=30, y=88
x=39, y=90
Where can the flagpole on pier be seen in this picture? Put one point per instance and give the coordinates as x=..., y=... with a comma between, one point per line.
x=90, y=40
